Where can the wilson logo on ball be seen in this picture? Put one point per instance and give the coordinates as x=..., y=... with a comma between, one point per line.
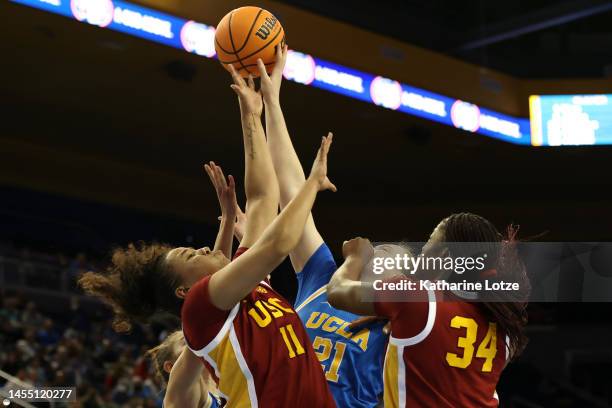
x=245, y=35
x=266, y=28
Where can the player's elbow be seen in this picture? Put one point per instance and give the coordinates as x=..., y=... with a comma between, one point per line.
x=284, y=242
x=289, y=191
x=276, y=248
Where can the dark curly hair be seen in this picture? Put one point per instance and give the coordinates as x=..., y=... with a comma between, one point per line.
x=137, y=284
x=476, y=234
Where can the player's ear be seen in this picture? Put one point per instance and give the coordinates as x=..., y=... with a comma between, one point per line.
x=181, y=292
x=167, y=366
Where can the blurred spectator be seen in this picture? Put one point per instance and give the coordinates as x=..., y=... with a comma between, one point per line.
x=47, y=335
x=31, y=315
x=77, y=349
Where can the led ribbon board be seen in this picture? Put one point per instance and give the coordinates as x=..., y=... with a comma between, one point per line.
x=198, y=38
x=558, y=120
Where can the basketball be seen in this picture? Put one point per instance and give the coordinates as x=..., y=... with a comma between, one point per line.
x=246, y=34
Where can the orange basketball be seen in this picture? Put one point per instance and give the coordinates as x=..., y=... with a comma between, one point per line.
x=246, y=34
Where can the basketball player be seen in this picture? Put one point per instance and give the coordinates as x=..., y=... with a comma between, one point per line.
x=445, y=349
x=248, y=335
x=165, y=355
x=352, y=360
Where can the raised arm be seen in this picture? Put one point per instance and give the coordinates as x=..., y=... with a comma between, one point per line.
x=226, y=194
x=345, y=291
x=232, y=283
x=184, y=387
x=260, y=184
x=286, y=162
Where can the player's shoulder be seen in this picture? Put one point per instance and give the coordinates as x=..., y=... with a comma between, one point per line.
x=200, y=318
x=315, y=274
x=452, y=302
x=452, y=306
x=321, y=257
x=263, y=290
x=197, y=297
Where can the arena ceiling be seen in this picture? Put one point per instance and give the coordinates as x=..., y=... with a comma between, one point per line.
x=98, y=115
x=527, y=39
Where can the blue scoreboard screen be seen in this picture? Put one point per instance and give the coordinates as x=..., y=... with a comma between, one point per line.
x=558, y=120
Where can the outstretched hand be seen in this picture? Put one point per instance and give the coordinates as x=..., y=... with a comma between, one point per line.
x=271, y=84
x=249, y=99
x=225, y=189
x=319, y=167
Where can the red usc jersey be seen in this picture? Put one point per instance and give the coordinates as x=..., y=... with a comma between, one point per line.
x=442, y=352
x=259, y=351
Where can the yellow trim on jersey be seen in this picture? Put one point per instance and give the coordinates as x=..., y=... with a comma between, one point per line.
x=232, y=381
x=391, y=385
x=395, y=367
x=224, y=355
x=312, y=297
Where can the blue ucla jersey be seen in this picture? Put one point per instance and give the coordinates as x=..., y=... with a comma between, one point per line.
x=215, y=401
x=352, y=360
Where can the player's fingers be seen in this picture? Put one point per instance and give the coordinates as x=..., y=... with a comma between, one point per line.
x=327, y=141
x=217, y=178
x=220, y=176
x=210, y=174
x=320, y=152
x=331, y=186
x=251, y=82
x=279, y=59
x=263, y=74
x=216, y=168
x=362, y=321
x=235, y=76
x=231, y=183
x=213, y=168
x=218, y=172
x=236, y=89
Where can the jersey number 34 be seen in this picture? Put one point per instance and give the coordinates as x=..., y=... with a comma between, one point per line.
x=487, y=349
